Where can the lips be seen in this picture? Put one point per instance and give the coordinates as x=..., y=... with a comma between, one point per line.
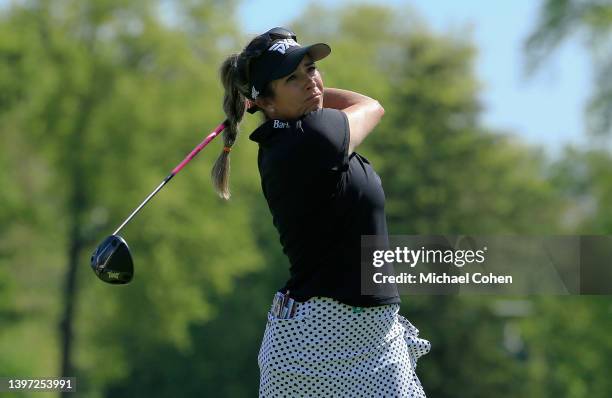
x=317, y=96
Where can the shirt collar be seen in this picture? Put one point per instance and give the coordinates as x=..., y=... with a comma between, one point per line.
x=263, y=132
x=270, y=129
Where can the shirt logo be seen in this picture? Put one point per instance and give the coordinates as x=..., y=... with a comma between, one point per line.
x=280, y=125
x=282, y=45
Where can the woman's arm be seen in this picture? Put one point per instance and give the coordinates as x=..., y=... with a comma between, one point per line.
x=363, y=112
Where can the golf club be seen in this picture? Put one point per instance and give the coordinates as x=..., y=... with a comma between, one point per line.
x=112, y=261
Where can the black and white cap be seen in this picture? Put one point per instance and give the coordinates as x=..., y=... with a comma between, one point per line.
x=280, y=58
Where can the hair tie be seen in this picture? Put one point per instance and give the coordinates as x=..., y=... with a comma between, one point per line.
x=227, y=149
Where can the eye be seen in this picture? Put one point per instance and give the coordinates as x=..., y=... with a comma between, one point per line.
x=312, y=68
x=290, y=78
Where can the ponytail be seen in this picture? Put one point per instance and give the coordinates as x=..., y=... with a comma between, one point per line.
x=234, y=105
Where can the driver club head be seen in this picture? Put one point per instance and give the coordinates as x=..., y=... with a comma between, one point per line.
x=112, y=261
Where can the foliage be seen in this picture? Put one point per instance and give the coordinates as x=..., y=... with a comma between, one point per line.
x=591, y=20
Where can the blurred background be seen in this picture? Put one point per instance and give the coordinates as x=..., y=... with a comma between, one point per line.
x=498, y=121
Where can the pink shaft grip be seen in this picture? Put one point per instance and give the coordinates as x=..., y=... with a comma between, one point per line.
x=197, y=149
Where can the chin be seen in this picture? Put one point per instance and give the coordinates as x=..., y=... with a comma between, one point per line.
x=312, y=109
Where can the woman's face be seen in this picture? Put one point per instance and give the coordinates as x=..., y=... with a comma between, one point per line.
x=295, y=94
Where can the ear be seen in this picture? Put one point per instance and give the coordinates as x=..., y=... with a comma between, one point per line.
x=264, y=103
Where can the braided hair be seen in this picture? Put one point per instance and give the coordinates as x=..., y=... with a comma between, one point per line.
x=234, y=76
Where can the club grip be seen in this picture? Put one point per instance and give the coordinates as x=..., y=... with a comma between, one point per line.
x=201, y=145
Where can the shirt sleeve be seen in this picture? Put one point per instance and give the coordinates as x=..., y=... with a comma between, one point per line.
x=327, y=134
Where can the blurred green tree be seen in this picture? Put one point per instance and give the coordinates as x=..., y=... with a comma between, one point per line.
x=86, y=85
x=590, y=20
x=583, y=178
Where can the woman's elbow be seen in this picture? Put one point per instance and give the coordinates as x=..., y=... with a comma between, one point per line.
x=380, y=111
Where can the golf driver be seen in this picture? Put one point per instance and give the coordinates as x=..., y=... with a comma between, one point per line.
x=112, y=261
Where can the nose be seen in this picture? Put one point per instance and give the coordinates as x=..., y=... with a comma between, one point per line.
x=310, y=82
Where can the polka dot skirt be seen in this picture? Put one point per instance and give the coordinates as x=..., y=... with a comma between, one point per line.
x=330, y=349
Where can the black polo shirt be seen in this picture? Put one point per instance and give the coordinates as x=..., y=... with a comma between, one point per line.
x=322, y=200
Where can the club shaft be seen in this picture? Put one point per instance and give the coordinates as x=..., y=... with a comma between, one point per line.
x=127, y=220
x=178, y=168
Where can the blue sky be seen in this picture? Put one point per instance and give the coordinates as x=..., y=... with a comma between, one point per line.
x=546, y=109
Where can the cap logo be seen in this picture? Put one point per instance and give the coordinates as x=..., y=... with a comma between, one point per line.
x=254, y=93
x=282, y=45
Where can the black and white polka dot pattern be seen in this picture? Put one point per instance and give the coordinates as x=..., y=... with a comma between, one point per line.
x=330, y=349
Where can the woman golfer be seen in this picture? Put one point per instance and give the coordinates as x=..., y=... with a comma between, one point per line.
x=323, y=336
